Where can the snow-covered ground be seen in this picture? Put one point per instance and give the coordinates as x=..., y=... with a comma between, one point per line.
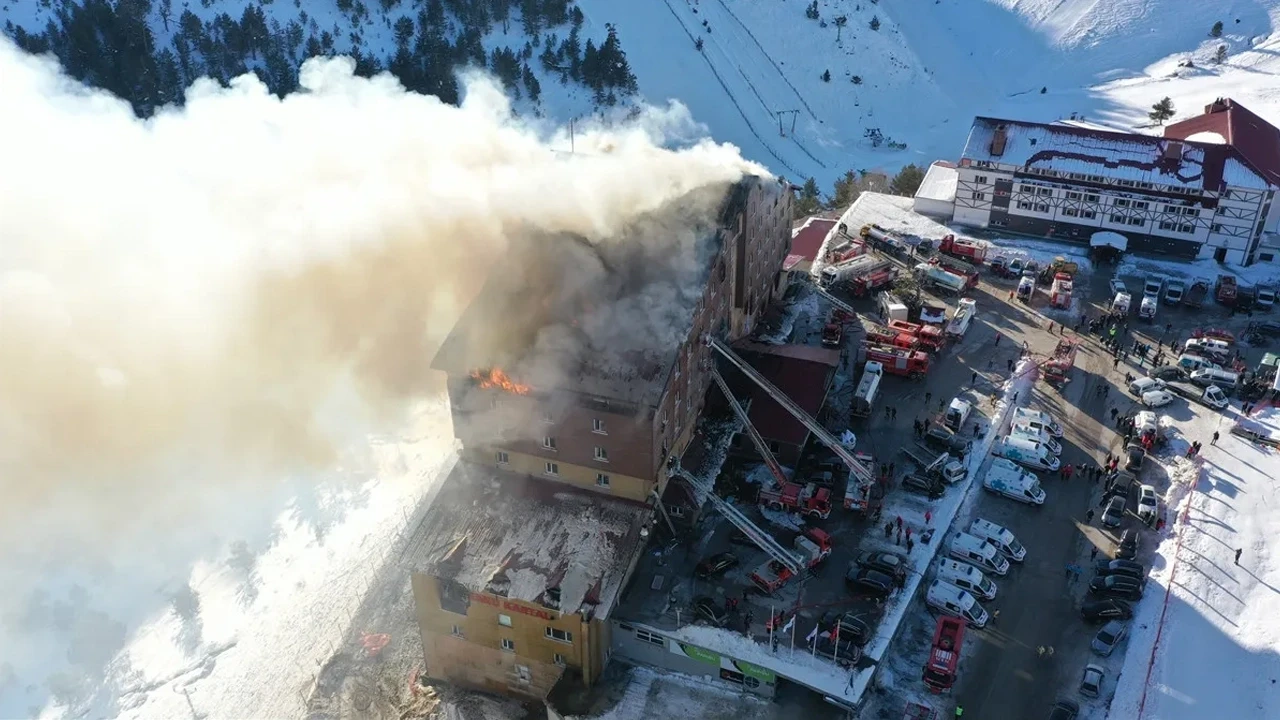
x=1209, y=270
x=1211, y=648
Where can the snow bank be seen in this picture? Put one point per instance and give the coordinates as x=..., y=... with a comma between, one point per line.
x=1208, y=270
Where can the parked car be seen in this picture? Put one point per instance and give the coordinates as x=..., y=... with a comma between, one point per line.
x=1133, y=457
x=1114, y=514
x=1120, y=567
x=886, y=562
x=924, y=484
x=1105, y=642
x=1118, y=286
x=871, y=583
x=1128, y=548
x=1148, y=504
x=1064, y=710
x=943, y=440
x=1143, y=385
x=1116, y=586
x=851, y=626
x=1170, y=372
x=710, y=611
x=1157, y=398
x=1091, y=680
x=1106, y=609
x=716, y=564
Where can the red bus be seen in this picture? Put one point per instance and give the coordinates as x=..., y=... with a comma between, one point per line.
x=940, y=671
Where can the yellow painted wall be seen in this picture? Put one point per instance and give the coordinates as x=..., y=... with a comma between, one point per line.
x=623, y=486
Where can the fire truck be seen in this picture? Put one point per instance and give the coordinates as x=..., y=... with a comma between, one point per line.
x=808, y=499
x=1059, y=365
x=1060, y=293
x=1226, y=289
x=974, y=251
x=881, y=335
x=897, y=361
x=811, y=549
x=930, y=336
x=846, y=250
x=872, y=280
x=832, y=333
x=940, y=670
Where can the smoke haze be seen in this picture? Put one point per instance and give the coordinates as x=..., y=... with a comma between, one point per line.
x=233, y=291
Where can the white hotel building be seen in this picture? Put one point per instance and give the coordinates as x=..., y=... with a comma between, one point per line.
x=1204, y=190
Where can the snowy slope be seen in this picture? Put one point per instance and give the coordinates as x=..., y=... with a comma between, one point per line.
x=1216, y=640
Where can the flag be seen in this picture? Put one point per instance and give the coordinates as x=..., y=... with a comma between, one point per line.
x=812, y=634
x=790, y=624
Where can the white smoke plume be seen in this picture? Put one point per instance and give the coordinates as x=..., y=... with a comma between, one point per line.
x=223, y=294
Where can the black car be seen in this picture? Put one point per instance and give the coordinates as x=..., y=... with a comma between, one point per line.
x=1128, y=548
x=710, y=611
x=716, y=564
x=1133, y=457
x=850, y=626
x=924, y=485
x=943, y=440
x=1107, y=609
x=1120, y=567
x=1116, y=586
x=871, y=583
x=1064, y=710
x=886, y=562
x=1170, y=372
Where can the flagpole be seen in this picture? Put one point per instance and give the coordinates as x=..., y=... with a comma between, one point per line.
x=773, y=620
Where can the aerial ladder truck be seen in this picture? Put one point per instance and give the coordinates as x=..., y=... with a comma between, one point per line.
x=862, y=482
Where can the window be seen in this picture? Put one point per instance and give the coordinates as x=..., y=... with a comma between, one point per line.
x=1266, y=257
x=602, y=480
x=980, y=179
x=1089, y=214
x=1120, y=202
x=1139, y=222
x=1091, y=198
x=523, y=675
x=502, y=457
x=1166, y=225
x=1073, y=195
x=1041, y=207
x=1118, y=219
x=1139, y=205
x=457, y=632
x=504, y=620
x=1027, y=189
x=1046, y=191
x=601, y=455
x=1226, y=194
x=675, y=510
x=1215, y=227
x=1071, y=212
x=979, y=196
x=547, y=418
x=597, y=426
x=559, y=635
x=552, y=468
x=1024, y=205
x=508, y=645
x=558, y=659
x=549, y=442
x=651, y=638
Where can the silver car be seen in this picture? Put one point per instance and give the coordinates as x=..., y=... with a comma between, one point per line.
x=1114, y=514
x=1091, y=681
x=1109, y=637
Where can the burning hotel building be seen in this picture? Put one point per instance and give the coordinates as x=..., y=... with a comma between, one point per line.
x=573, y=376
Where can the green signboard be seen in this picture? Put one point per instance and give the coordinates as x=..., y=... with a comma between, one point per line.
x=695, y=653
x=762, y=674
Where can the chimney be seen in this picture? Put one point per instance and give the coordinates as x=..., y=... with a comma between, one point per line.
x=1217, y=106
x=998, y=140
x=1173, y=151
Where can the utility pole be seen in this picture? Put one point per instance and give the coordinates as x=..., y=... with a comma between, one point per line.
x=780, y=113
x=571, y=136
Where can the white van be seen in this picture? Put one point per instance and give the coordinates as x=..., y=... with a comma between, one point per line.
x=1038, y=419
x=1032, y=432
x=1121, y=303
x=951, y=600
x=1143, y=385
x=1002, y=539
x=1205, y=377
x=1026, y=452
x=978, y=552
x=1191, y=363
x=966, y=577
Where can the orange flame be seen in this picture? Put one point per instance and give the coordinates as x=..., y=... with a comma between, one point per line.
x=495, y=378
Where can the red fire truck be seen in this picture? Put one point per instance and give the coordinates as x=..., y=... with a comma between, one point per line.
x=811, y=549
x=974, y=251
x=930, y=336
x=808, y=499
x=881, y=335
x=907, y=363
x=1058, y=367
x=940, y=670
x=873, y=280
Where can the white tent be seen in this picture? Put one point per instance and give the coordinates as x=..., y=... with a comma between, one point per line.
x=1107, y=238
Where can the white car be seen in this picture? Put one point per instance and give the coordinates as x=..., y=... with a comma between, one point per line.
x=1118, y=286
x=1157, y=398
x=1091, y=682
x=1144, y=385
x=1148, y=504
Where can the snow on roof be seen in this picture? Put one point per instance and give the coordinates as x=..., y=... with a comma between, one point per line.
x=796, y=664
x=939, y=183
x=1087, y=125
x=517, y=537
x=1207, y=136
x=1111, y=154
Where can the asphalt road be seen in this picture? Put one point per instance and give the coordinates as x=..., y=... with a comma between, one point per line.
x=1038, y=600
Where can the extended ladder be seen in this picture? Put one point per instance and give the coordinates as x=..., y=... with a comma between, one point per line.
x=761, y=446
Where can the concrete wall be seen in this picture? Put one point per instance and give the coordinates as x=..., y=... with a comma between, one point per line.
x=667, y=654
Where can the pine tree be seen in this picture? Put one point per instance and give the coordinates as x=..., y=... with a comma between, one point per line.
x=531, y=84
x=1220, y=56
x=1216, y=30
x=907, y=181
x=404, y=31
x=875, y=22
x=1161, y=111
x=809, y=200
x=826, y=76
x=811, y=10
